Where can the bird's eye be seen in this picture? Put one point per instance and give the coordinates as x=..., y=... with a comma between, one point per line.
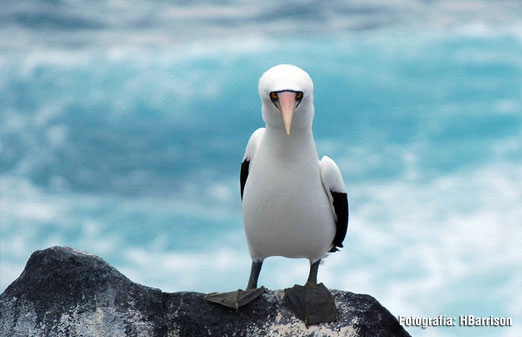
x=299, y=95
x=273, y=96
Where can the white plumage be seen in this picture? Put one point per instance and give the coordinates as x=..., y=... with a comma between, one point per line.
x=288, y=206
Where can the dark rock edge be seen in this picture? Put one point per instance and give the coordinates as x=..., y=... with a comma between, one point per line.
x=65, y=292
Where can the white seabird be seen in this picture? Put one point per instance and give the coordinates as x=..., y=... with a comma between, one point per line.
x=288, y=194
x=293, y=204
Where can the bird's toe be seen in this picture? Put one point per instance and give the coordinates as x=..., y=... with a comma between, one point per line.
x=235, y=299
x=312, y=303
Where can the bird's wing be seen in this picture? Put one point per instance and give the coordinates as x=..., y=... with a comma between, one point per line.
x=253, y=144
x=336, y=191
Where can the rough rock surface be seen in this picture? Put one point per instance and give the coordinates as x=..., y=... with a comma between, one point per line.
x=64, y=292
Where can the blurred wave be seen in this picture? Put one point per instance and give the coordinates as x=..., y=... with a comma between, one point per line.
x=106, y=23
x=146, y=123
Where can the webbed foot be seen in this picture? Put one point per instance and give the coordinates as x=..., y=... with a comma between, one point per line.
x=312, y=303
x=235, y=299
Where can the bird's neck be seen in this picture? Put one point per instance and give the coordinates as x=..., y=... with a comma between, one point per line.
x=300, y=143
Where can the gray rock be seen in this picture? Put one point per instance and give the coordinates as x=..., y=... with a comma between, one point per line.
x=64, y=292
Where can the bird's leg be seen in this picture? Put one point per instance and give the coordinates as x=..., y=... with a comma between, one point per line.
x=312, y=277
x=312, y=303
x=254, y=274
x=239, y=298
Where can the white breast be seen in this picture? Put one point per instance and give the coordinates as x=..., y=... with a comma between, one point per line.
x=286, y=211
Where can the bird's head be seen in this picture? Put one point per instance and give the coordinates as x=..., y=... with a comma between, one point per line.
x=287, y=95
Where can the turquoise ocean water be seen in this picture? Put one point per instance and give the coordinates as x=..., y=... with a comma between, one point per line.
x=123, y=126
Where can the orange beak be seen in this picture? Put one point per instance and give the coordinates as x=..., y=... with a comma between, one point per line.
x=286, y=105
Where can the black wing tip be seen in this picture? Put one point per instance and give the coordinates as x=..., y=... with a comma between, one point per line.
x=243, y=175
x=335, y=247
x=340, y=203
